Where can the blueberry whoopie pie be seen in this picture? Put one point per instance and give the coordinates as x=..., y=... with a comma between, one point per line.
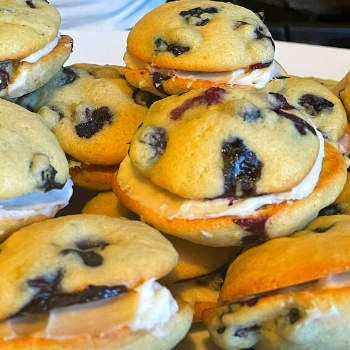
x=181, y=46
x=89, y=282
x=32, y=49
x=34, y=173
x=289, y=293
x=228, y=167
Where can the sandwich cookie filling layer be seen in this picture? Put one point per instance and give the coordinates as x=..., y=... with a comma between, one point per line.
x=172, y=206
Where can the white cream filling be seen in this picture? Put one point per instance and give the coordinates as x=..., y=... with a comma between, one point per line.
x=147, y=307
x=34, y=202
x=34, y=57
x=173, y=206
x=156, y=305
x=258, y=78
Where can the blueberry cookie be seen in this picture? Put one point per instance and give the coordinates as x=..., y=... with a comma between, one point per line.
x=32, y=50
x=225, y=167
x=290, y=293
x=68, y=293
x=321, y=105
x=92, y=112
x=188, y=45
x=34, y=170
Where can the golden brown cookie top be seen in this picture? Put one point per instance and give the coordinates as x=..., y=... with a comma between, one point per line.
x=91, y=110
x=26, y=27
x=201, y=36
x=225, y=143
x=319, y=250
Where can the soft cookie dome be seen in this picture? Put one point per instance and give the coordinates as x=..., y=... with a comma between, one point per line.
x=225, y=143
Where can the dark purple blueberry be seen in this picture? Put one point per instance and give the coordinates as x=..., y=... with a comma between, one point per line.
x=300, y=124
x=333, y=209
x=209, y=97
x=314, y=105
x=322, y=229
x=176, y=50
x=64, y=77
x=47, y=283
x=45, y=300
x=261, y=15
x=242, y=169
x=293, y=315
x=250, y=113
x=48, y=179
x=250, y=302
x=86, y=244
x=158, y=78
x=97, y=119
x=145, y=98
x=156, y=138
x=221, y=330
x=58, y=111
x=90, y=258
x=30, y=4
x=260, y=65
x=239, y=24
x=259, y=34
x=244, y=331
x=4, y=79
x=280, y=101
x=197, y=13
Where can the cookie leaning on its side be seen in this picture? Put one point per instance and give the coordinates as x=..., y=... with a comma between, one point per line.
x=34, y=170
x=290, y=293
x=32, y=49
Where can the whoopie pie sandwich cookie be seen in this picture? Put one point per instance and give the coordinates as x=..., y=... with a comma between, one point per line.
x=186, y=45
x=92, y=112
x=34, y=175
x=227, y=167
x=289, y=293
x=88, y=282
x=32, y=50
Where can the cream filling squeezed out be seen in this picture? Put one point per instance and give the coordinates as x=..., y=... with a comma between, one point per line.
x=172, y=206
x=258, y=78
x=34, y=57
